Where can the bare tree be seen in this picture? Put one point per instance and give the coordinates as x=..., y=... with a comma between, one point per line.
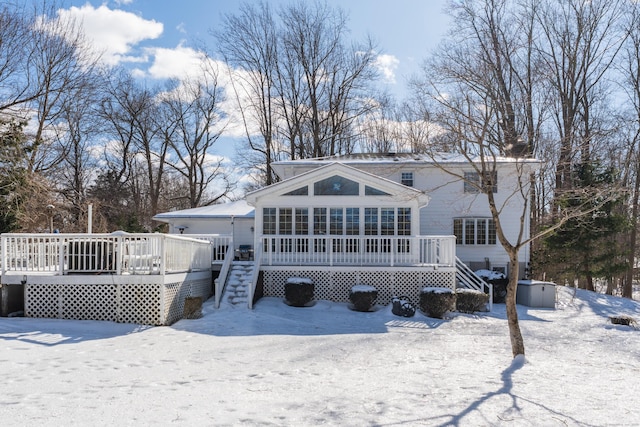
x=79, y=158
x=486, y=108
x=248, y=42
x=328, y=77
x=195, y=122
x=300, y=86
x=44, y=66
x=137, y=153
x=16, y=86
x=580, y=41
x=61, y=65
x=630, y=70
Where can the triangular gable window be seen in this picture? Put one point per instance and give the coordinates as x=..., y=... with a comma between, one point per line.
x=336, y=186
x=302, y=191
x=370, y=191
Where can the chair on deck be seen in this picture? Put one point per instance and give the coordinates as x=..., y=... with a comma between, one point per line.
x=244, y=253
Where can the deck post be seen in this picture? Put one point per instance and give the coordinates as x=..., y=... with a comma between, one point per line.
x=163, y=255
x=119, y=254
x=60, y=245
x=330, y=251
x=5, y=258
x=394, y=247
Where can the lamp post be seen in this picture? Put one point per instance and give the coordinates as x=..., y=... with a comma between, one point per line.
x=50, y=209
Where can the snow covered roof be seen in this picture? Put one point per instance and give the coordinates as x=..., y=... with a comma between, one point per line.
x=236, y=209
x=441, y=158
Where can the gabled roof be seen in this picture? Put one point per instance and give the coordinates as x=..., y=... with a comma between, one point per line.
x=393, y=188
x=237, y=209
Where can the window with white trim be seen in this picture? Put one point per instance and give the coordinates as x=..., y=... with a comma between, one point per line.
x=472, y=181
x=269, y=220
x=320, y=221
x=474, y=231
x=406, y=178
x=285, y=221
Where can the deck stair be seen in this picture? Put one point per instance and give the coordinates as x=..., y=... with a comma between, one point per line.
x=238, y=282
x=466, y=278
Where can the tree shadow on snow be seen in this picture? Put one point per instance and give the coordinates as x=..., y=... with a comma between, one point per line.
x=271, y=316
x=510, y=413
x=603, y=305
x=53, y=332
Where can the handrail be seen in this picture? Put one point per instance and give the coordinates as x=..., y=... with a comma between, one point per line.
x=471, y=279
x=255, y=272
x=218, y=242
x=358, y=250
x=118, y=252
x=221, y=281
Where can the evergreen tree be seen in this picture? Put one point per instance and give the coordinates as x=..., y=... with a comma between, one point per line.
x=587, y=247
x=12, y=173
x=112, y=199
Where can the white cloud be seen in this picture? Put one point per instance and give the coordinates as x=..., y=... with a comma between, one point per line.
x=388, y=64
x=112, y=32
x=178, y=62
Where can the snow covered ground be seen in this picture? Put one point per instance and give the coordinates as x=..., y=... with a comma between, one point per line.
x=327, y=365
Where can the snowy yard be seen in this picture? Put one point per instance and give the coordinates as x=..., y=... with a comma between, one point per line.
x=327, y=365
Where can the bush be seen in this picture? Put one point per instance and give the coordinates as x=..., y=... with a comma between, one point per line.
x=192, y=308
x=363, y=297
x=471, y=300
x=298, y=291
x=436, y=302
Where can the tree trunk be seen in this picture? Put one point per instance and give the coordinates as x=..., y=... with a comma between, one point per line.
x=610, y=285
x=517, y=342
x=627, y=289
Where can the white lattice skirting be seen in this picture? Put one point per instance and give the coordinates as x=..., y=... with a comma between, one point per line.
x=148, y=300
x=334, y=284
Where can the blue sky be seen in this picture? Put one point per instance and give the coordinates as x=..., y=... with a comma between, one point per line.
x=156, y=37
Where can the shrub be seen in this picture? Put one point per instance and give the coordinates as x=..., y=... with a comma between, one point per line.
x=363, y=297
x=298, y=291
x=192, y=308
x=436, y=302
x=471, y=300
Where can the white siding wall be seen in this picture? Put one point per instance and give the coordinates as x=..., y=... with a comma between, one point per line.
x=241, y=228
x=449, y=201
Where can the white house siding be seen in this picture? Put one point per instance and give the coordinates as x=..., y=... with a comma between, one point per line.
x=233, y=218
x=272, y=197
x=241, y=228
x=449, y=201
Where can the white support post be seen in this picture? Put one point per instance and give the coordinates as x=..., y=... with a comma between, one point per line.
x=5, y=258
x=61, y=242
x=163, y=255
x=330, y=249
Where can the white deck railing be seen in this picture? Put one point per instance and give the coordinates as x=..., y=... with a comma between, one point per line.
x=359, y=250
x=119, y=253
x=219, y=242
